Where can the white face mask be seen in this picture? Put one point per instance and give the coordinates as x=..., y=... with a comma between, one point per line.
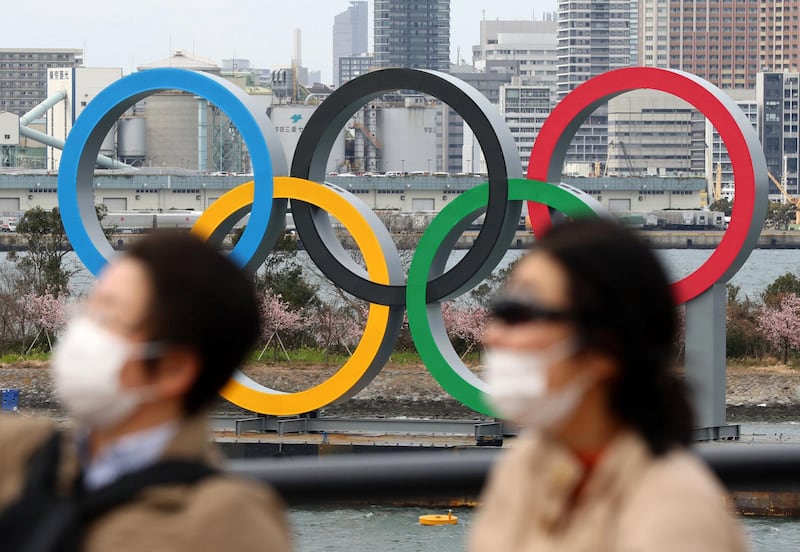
x=517, y=386
x=86, y=364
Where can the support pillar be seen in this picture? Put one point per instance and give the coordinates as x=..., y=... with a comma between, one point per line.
x=705, y=355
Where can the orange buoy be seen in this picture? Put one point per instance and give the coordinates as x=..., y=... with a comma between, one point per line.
x=438, y=519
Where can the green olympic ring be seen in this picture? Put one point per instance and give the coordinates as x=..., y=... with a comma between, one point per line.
x=425, y=319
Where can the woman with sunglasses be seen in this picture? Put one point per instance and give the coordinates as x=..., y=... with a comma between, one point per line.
x=579, y=355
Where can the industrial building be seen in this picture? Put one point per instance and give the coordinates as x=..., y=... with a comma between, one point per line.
x=149, y=190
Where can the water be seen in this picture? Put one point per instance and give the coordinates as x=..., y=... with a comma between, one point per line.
x=772, y=534
x=379, y=528
x=762, y=267
x=389, y=528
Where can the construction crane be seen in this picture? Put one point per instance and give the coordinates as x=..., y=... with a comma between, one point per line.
x=628, y=162
x=718, y=183
x=791, y=199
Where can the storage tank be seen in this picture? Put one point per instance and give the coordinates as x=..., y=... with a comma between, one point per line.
x=132, y=138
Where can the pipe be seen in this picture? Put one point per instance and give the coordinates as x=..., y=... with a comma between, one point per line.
x=202, y=133
x=41, y=109
x=57, y=143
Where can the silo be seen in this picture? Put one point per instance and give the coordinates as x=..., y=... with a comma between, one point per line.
x=132, y=139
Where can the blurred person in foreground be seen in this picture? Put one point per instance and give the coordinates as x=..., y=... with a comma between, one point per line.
x=159, y=335
x=579, y=355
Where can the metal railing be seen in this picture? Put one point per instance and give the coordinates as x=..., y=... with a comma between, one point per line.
x=461, y=474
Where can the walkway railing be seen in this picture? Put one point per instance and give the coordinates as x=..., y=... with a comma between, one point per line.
x=461, y=474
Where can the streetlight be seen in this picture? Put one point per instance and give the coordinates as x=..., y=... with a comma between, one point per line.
x=403, y=166
x=429, y=166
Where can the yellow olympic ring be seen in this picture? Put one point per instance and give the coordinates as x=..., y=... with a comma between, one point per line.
x=246, y=393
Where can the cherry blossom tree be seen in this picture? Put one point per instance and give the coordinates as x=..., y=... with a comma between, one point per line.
x=47, y=313
x=779, y=324
x=278, y=318
x=337, y=325
x=466, y=324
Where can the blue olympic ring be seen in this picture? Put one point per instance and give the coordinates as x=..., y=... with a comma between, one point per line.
x=76, y=170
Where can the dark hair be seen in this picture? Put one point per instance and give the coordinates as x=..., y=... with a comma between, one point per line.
x=202, y=301
x=624, y=308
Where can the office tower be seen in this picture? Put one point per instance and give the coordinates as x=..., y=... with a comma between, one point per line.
x=350, y=31
x=778, y=98
x=412, y=33
x=593, y=37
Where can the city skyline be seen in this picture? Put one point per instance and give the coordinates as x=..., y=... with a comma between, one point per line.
x=259, y=31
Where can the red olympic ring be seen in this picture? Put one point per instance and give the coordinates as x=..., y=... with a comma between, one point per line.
x=549, y=151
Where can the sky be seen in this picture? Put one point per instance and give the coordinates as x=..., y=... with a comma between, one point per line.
x=125, y=34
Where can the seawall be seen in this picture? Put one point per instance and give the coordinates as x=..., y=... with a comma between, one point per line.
x=658, y=239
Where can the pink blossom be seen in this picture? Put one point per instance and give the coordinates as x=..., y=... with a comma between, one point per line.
x=779, y=324
x=277, y=317
x=465, y=323
x=47, y=312
x=339, y=326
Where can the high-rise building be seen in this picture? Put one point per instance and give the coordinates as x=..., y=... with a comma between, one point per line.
x=593, y=37
x=778, y=98
x=350, y=35
x=725, y=42
x=412, y=33
x=634, y=30
x=779, y=48
x=23, y=74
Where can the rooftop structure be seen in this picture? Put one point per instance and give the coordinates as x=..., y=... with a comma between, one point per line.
x=181, y=59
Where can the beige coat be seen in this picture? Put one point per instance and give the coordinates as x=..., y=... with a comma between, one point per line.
x=632, y=502
x=219, y=512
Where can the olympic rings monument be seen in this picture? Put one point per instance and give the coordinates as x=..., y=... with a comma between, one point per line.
x=428, y=284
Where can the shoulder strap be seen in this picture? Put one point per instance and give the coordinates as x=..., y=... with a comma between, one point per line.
x=90, y=506
x=123, y=489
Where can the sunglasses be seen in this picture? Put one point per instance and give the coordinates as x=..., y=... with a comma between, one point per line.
x=514, y=310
